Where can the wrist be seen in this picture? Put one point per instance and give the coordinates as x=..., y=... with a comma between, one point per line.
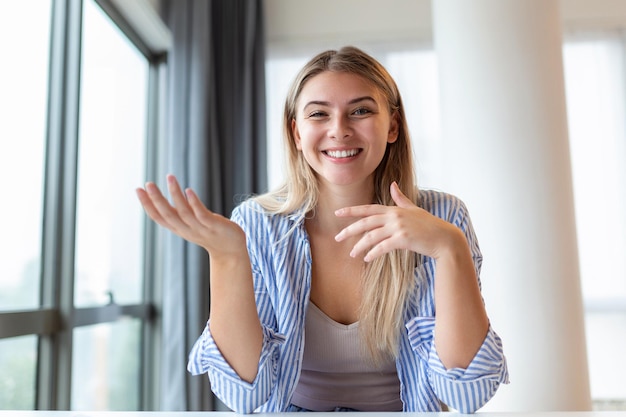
x=453, y=245
x=228, y=260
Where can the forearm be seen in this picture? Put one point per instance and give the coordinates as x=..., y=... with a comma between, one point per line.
x=461, y=322
x=234, y=321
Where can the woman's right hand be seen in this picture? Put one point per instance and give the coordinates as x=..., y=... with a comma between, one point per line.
x=189, y=218
x=230, y=275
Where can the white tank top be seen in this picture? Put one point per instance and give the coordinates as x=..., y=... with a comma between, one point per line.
x=336, y=371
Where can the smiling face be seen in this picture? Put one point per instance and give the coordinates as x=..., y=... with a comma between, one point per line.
x=342, y=127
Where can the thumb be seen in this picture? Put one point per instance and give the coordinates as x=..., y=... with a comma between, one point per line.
x=399, y=198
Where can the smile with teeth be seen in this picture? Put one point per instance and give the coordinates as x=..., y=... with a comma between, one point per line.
x=346, y=153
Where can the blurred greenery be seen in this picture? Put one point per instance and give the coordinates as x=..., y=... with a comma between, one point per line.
x=106, y=366
x=25, y=294
x=18, y=361
x=18, y=355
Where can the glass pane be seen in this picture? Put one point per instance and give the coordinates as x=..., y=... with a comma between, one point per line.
x=18, y=361
x=24, y=41
x=415, y=72
x=106, y=366
x=596, y=105
x=111, y=164
x=606, y=345
x=279, y=72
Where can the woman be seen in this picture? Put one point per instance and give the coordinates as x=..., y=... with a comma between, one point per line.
x=323, y=293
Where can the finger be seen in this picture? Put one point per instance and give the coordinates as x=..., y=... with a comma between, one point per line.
x=380, y=249
x=155, y=204
x=370, y=239
x=377, y=243
x=184, y=211
x=360, y=227
x=361, y=211
x=168, y=214
x=398, y=197
x=149, y=208
x=220, y=233
x=203, y=214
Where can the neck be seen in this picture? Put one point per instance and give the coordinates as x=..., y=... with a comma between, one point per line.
x=334, y=198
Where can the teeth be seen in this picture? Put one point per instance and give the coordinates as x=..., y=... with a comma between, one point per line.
x=342, y=154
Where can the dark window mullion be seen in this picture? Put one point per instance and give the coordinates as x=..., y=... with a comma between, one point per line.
x=151, y=273
x=109, y=7
x=59, y=224
x=22, y=323
x=90, y=316
x=55, y=351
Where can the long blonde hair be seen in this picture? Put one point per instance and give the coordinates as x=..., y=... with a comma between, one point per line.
x=388, y=280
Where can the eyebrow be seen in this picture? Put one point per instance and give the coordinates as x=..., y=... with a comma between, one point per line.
x=353, y=101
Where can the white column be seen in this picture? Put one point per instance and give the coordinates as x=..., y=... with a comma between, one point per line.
x=506, y=150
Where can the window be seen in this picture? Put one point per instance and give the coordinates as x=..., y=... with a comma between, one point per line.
x=111, y=163
x=23, y=133
x=595, y=70
x=76, y=297
x=106, y=366
x=279, y=73
x=18, y=359
x=109, y=222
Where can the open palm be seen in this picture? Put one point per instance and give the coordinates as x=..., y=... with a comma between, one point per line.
x=189, y=218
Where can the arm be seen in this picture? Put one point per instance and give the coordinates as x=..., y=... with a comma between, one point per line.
x=465, y=364
x=464, y=388
x=231, y=275
x=461, y=320
x=231, y=279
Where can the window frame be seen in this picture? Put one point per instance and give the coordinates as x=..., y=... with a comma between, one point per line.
x=56, y=317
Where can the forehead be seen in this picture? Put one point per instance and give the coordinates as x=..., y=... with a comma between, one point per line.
x=337, y=87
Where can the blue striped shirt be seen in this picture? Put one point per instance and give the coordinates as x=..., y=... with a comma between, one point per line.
x=280, y=256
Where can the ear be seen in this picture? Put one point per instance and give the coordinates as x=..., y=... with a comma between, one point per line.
x=394, y=128
x=296, y=134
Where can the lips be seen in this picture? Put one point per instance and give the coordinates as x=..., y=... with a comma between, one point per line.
x=343, y=153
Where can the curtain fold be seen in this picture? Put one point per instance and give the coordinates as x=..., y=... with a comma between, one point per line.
x=216, y=145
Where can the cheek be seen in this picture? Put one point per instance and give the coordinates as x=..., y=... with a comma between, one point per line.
x=302, y=136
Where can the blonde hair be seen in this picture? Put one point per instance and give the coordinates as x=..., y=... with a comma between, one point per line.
x=388, y=280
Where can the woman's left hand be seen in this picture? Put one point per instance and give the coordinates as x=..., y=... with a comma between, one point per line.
x=405, y=226
x=461, y=322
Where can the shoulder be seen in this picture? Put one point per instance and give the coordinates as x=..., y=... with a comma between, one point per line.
x=249, y=207
x=441, y=204
x=251, y=211
x=250, y=214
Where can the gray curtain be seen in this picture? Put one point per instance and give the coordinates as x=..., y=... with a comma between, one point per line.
x=216, y=145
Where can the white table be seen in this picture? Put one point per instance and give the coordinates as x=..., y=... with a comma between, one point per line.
x=6, y=413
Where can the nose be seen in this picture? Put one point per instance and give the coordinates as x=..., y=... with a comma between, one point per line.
x=340, y=128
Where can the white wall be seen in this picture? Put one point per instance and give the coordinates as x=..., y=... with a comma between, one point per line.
x=331, y=23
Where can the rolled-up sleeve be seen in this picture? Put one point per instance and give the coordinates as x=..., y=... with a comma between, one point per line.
x=464, y=389
x=241, y=396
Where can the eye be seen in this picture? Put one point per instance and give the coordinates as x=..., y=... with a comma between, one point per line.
x=317, y=114
x=362, y=111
